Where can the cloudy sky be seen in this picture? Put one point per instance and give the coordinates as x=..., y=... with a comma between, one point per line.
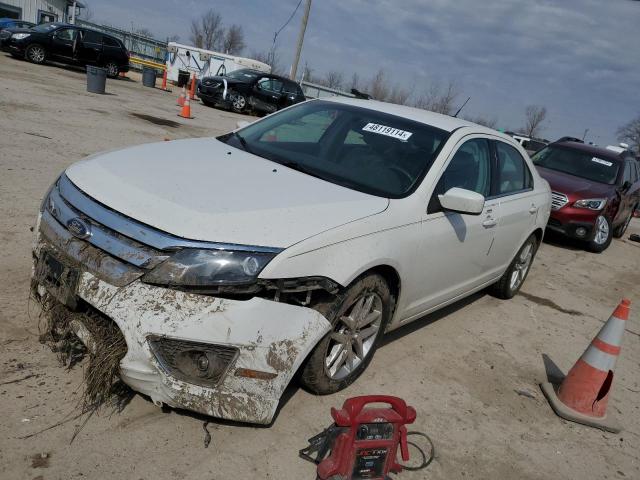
x=579, y=58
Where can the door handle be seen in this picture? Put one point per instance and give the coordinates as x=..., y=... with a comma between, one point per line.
x=489, y=222
x=533, y=209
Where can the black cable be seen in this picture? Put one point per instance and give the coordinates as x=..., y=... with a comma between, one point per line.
x=287, y=22
x=425, y=461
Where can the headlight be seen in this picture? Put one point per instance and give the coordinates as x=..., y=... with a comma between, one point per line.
x=201, y=268
x=20, y=36
x=591, y=203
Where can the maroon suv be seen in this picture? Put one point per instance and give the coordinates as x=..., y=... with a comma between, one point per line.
x=595, y=191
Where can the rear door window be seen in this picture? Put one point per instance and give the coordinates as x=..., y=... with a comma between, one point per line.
x=90, y=36
x=512, y=174
x=110, y=42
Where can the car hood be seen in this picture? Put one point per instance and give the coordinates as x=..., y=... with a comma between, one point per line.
x=13, y=30
x=203, y=189
x=573, y=186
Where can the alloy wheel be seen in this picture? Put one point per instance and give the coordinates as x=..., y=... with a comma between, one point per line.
x=36, y=54
x=521, y=266
x=239, y=102
x=112, y=70
x=602, y=231
x=354, y=335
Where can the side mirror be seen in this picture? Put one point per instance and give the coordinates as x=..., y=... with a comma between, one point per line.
x=241, y=124
x=462, y=201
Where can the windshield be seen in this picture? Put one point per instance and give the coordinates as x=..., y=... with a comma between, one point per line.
x=46, y=27
x=243, y=75
x=578, y=163
x=362, y=149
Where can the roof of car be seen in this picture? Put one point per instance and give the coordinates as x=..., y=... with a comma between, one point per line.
x=438, y=120
x=590, y=149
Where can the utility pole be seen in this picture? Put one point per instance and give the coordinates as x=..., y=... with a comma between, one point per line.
x=586, y=130
x=303, y=28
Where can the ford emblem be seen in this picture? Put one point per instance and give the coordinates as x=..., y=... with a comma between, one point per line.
x=78, y=228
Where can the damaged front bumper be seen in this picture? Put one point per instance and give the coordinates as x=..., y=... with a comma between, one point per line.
x=263, y=342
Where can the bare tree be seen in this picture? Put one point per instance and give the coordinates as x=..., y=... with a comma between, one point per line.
x=379, y=86
x=86, y=13
x=208, y=32
x=489, y=122
x=630, y=133
x=355, y=82
x=333, y=79
x=307, y=74
x=535, y=115
x=271, y=57
x=173, y=38
x=438, y=99
x=233, y=42
x=399, y=95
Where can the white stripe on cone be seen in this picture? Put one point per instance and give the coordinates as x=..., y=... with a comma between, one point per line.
x=613, y=331
x=598, y=359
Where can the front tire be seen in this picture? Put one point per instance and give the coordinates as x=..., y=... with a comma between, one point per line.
x=238, y=103
x=35, y=54
x=513, y=278
x=603, y=235
x=358, y=317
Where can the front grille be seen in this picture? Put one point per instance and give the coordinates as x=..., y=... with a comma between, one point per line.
x=558, y=200
x=121, y=237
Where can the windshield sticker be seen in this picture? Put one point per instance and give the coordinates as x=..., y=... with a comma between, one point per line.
x=601, y=162
x=388, y=131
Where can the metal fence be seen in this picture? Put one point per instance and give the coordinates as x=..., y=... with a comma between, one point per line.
x=313, y=90
x=139, y=45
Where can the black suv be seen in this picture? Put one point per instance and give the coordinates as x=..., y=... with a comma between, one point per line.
x=69, y=44
x=249, y=89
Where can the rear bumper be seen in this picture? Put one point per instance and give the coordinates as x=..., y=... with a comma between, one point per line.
x=271, y=338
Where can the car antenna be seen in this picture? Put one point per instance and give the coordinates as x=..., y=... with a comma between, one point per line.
x=460, y=109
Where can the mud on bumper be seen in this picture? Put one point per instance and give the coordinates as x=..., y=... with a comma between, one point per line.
x=271, y=339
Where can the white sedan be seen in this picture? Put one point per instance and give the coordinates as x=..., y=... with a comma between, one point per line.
x=293, y=243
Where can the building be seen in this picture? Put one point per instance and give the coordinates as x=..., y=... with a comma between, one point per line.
x=41, y=11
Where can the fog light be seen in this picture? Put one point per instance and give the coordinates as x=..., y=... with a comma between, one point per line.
x=581, y=231
x=193, y=362
x=203, y=363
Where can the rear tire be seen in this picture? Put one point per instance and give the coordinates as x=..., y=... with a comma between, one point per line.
x=35, y=54
x=358, y=317
x=513, y=278
x=112, y=69
x=603, y=235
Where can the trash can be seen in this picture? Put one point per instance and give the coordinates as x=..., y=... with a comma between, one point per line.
x=183, y=78
x=96, y=79
x=149, y=77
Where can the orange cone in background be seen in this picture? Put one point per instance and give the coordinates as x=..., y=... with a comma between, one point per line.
x=186, y=109
x=182, y=96
x=584, y=393
x=164, y=81
x=192, y=87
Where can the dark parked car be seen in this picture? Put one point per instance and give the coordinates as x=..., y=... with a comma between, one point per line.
x=69, y=44
x=249, y=89
x=595, y=191
x=6, y=24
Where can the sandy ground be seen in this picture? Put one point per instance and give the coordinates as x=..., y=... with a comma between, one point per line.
x=461, y=368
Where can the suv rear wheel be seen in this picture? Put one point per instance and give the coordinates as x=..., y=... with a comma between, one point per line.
x=112, y=69
x=603, y=235
x=35, y=53
x=358, y=316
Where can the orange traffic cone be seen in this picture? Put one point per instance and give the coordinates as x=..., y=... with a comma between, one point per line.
x=186, y=109
x=183, y=95
x=192, y=87
x=164, y=81
x=584, y=393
